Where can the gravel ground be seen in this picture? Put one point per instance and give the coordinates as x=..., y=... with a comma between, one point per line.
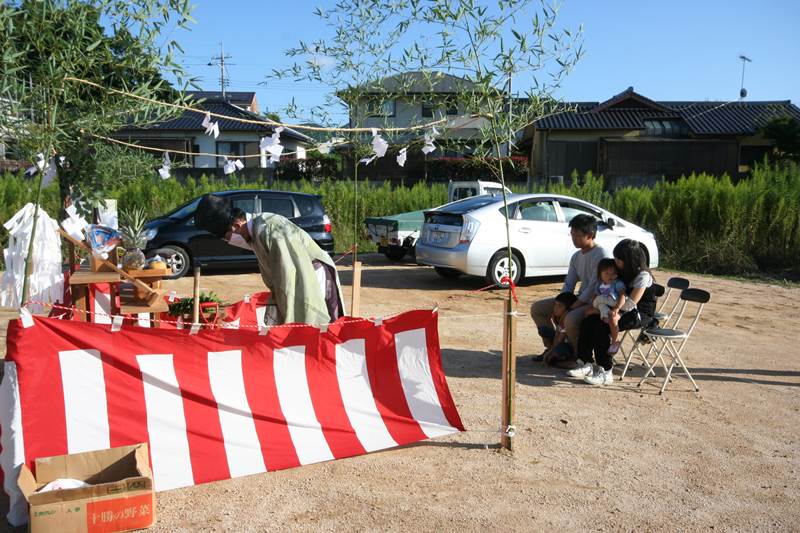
x=611, y=458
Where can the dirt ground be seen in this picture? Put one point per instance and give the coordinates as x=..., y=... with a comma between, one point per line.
x=611, y=458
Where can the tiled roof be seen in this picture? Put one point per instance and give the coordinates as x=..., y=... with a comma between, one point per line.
x=702, y=118
x=231, y=96
x=421, y=82
x=192, y=121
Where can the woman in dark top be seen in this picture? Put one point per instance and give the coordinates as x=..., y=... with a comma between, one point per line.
x=594, y=334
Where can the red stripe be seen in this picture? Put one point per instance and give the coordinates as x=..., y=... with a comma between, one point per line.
x=262, y=395
x=325, y=393
x=387, y=388
x=41, y=392
x=203, y=429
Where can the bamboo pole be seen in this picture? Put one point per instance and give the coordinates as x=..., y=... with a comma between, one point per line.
x=355, y=298
x=509, y=375
x=196, y=296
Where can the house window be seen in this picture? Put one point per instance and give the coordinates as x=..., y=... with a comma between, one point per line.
x=428, y=109
x=451, y=108
x=238, y=149
x=380, y=108
x=664, y=128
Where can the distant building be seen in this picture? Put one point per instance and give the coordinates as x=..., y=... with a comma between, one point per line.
x=631, y=139
x=185, y=133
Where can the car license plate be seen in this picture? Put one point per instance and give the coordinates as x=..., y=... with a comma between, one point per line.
x=438, y=237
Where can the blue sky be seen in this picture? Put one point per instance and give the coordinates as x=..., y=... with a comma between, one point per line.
x=667, y=50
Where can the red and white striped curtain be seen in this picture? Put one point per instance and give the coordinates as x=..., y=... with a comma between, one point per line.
x=221, y=403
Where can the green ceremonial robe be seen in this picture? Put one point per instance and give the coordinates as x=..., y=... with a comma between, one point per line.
x=285, y=254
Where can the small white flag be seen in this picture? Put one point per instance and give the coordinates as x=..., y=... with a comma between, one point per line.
x=212, y=128
x=368, y=160
x=401, y=156
x=325, y=148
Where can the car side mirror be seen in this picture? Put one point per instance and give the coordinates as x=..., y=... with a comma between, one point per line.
x=610, y=222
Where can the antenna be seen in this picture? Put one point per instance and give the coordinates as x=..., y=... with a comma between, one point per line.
x=742, y=90
x=220, y=60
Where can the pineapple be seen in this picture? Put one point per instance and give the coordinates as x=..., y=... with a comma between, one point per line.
x=133, y=238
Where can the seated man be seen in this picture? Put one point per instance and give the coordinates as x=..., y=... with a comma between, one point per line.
x=583, y=268
x=301, y=277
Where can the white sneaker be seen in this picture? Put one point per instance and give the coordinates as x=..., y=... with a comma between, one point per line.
x=582, y=371
x=600, y=377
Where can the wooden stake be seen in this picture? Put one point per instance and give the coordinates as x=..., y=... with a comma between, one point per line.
x=196, y=296
x=355, y=298
x=509, y=373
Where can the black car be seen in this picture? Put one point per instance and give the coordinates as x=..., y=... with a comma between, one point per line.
x=175, y=231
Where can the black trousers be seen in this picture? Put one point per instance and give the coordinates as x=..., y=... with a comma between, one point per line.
x=595, y=337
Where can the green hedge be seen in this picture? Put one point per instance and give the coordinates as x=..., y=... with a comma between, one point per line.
x=702, y=223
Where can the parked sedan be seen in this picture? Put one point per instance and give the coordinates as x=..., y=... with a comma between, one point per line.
x=469, y=236
x=175, y=233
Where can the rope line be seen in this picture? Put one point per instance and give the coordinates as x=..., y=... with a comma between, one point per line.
x=244, y=326
x=263, y=122
x=208, y=154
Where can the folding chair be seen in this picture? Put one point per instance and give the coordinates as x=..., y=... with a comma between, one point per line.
x=673, y=340
x=663, y=314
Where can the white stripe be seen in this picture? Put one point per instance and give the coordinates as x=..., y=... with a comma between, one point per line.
x=242, y=446
x=359, y=402
x=295, y=399
x=143, y=320
x=84, y=400
x=13, y=454
x=233, y=324
x=415, y=374
x=102, y=307
x=166, y=423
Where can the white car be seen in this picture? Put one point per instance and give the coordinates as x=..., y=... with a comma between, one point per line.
x=469, y=236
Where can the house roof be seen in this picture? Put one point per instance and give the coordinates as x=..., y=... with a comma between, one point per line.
x=191, y=121
x=420, y=82
x=629, y=109
x=231, y=96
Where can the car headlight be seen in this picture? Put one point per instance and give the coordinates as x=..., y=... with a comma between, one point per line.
x=150, y=234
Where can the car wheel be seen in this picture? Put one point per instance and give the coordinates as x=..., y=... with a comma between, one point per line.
x=395, y=253
x=177, y=259
x=498, y=269
x=447, y=273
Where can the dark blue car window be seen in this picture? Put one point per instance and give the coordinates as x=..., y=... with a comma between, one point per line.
x=184, y=211
x=280, y=205
x=308, y=205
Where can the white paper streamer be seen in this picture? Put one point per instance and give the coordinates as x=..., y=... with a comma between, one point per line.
x=212, y=128
x=46, y=283
x=379, y=144
x=74, y=224
x=401, y=156
x=165, y=165
x=232, y=166
x=272, y=145
x=429, y=146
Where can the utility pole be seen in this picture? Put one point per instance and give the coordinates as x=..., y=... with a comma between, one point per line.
x=742, y=90
x=220, y=61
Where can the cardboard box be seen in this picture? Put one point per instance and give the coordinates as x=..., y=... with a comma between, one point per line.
x=120, y=497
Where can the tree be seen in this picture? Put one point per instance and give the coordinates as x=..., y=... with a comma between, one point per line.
x=785, y=133
x=116, y=43
x=486, y=44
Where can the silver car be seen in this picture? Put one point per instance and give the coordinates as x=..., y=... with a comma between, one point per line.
x=469, y=236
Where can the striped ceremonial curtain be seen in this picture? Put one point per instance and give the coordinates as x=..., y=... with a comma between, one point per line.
x=221, y=403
